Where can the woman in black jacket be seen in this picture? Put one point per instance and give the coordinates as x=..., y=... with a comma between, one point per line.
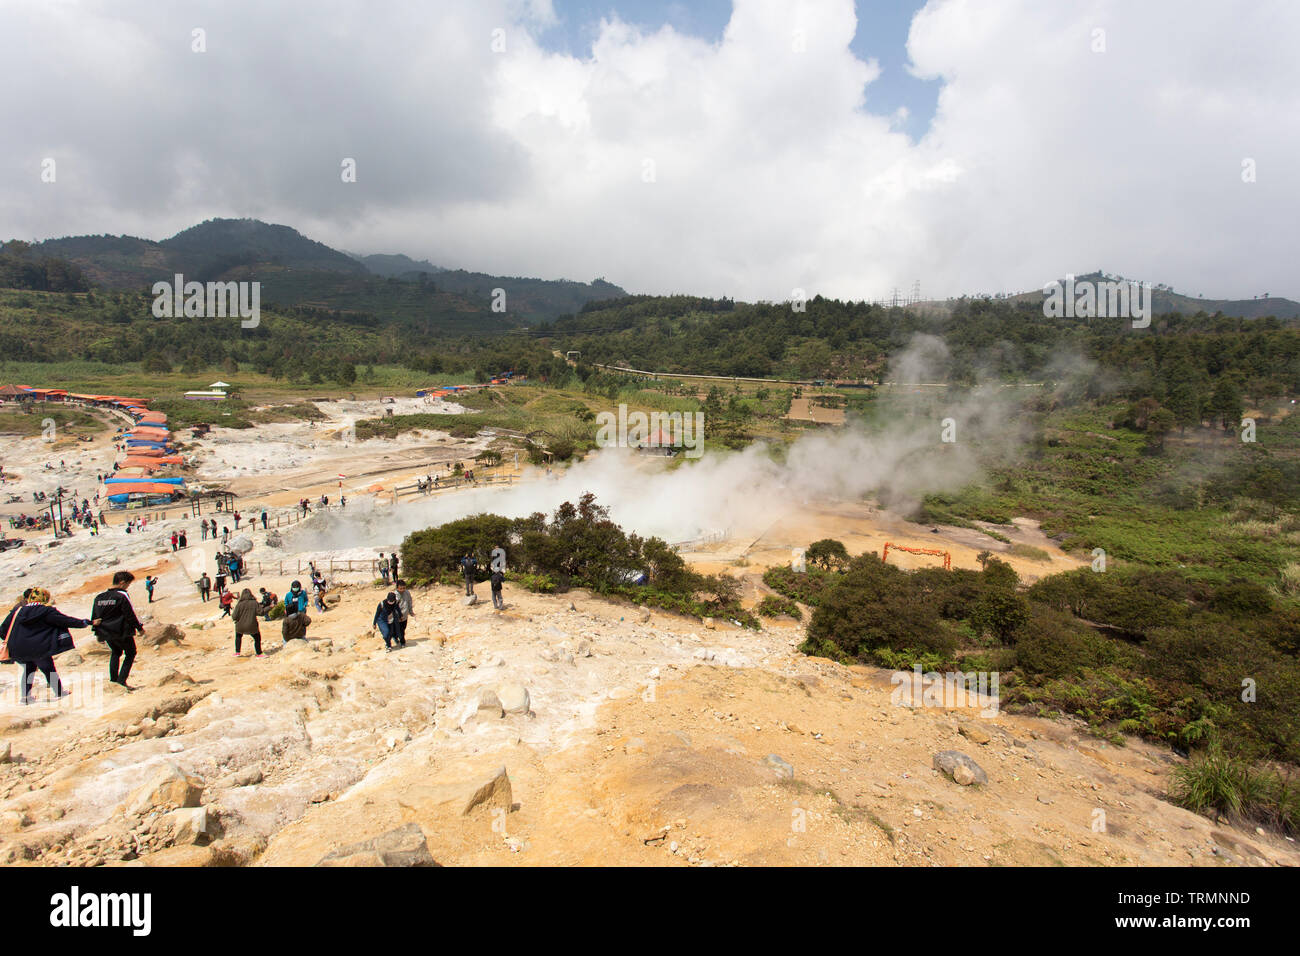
x=35, y=631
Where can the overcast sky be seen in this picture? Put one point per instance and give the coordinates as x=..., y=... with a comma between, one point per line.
x=743, y=149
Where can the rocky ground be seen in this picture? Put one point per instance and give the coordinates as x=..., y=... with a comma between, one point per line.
x=562, y=730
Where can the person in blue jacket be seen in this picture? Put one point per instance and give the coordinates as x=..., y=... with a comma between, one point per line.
x=295, y=601
x=34, y=633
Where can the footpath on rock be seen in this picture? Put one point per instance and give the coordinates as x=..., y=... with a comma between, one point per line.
x=563, y=730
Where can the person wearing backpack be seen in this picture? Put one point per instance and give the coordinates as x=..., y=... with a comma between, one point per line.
x=497, y=578
x=470, y=567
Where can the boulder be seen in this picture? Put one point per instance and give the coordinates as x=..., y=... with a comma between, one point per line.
x=975, y=733
x=469, y=600
x=241, y=545
x=513, y=698
x=783, y=769
x=183, y=855
x=404, y=846
x=168, y=789
x=170, y=675
x=189, y=826
x=947, y=763
x=11, y=821
x=489, y=705
x=71, y=659
x=6, y=751
x=241, y=778
x=496, y=793
x=167, y=634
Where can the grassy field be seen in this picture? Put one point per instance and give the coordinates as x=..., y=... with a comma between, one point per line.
x=1092, y=486
x=67, y=421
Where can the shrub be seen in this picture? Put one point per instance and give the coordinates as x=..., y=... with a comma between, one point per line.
x=773, y=606
x=873, y=607
x=1052, y=644
x=828, y=554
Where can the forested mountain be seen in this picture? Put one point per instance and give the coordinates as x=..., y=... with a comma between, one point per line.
x=295, y=270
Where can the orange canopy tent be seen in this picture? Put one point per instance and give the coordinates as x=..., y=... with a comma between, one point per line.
x=142, y=487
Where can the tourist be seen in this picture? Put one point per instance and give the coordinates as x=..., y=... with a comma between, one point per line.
x=318, y=591
x=205, y=586
x=246, y=622
x=237, y=517
x=118, y=626
x=383, y=567
x=497, y=578
x=184, y=544
x=295, y=602
x=176, y=539
x=203, y=530
x=267, y=601
x=470, y=567
x=263, y=519
x=227, y=601
x=294, y=627
x=406, y=606
x=34, y=632
x=388, y=617
x=392, y=565
x=149, y=583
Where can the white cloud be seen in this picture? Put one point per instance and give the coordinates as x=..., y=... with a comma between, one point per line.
x=769, y=170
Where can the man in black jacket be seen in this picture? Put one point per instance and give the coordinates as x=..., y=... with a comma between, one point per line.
x=118, y=626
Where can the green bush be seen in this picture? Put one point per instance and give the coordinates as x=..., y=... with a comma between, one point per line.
x=773, y=606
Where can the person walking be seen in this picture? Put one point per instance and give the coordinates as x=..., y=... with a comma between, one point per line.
x=470, y=567
x=392, y=566
x=237, y=517
x=388, y=618
x=34, y=633
x=184, y=544
x=263, y=519
x=497, y=578
x=149, y=582
x=118, y=626
x=318, y=591
x=383, y=567
x=205, y=586
x=406, y=606
x=227, y=602
x=203, y=530
x=246, y=622
x=225, y=535
x=176, y=539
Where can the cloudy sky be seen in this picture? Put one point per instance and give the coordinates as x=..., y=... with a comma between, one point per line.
x=742, y=148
